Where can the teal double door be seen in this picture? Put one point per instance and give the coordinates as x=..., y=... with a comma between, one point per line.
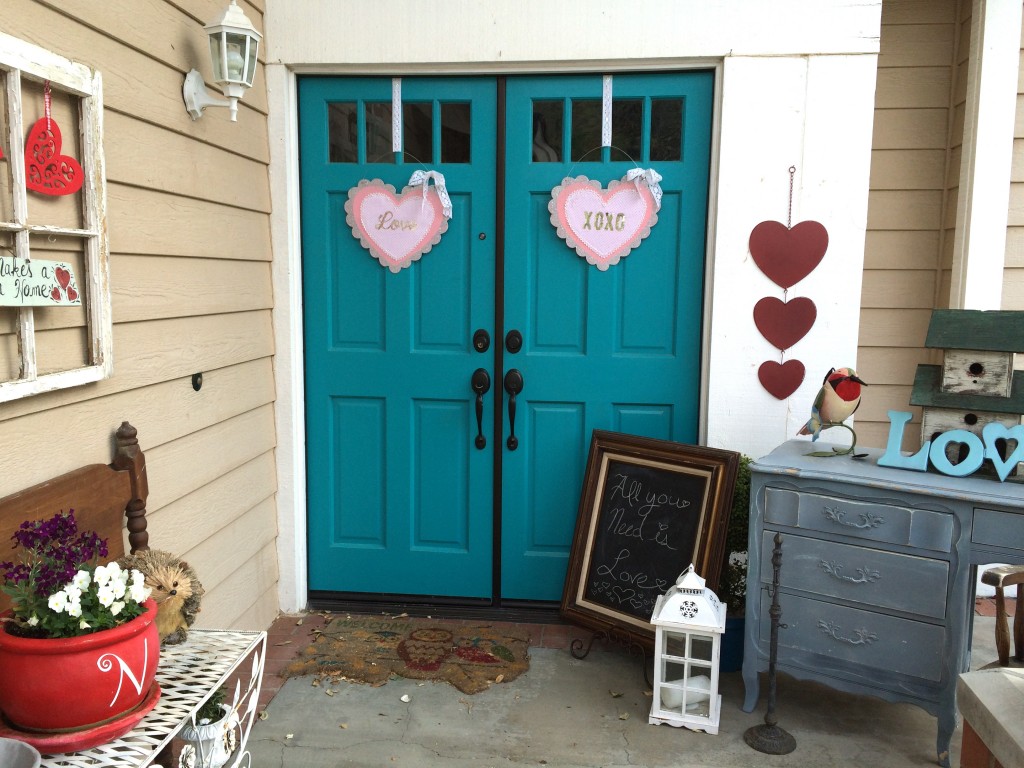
x=449, y=405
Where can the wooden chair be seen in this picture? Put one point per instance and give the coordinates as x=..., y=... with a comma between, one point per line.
x=1000, y=578
x=101, y=495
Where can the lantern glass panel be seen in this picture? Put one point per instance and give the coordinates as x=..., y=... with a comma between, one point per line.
x=235, y=47
x=701, y=648
x=216, y=56
x=675, y=645
x=250, y=64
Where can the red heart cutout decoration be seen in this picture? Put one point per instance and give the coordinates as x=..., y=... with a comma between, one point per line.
x=55, y=293
x=787, y=256
x=781, y=381
x=46, y=170
x=784, y=323
x=72, y=293
x=64, y=277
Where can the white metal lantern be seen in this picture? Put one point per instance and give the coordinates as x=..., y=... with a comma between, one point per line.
x=234, y=44
x=689, y=621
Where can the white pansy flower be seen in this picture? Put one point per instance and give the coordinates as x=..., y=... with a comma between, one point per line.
x=139, y=593
x=74, y=593
x=116, y=607
x=105, y=595
x=57, y=601
x=137, y=577
x=83, y=624
x=82, y=580
x=119, y=588
x=33, y=620
x=114, y=569
x=74, y=610
x=101, y=575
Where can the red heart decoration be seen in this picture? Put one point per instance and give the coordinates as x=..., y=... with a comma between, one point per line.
x=64, y=277
x=55, y=293
x=787, y=256
x=46, y=170
x=784, y=323
x=72, y=293
x=781, y=381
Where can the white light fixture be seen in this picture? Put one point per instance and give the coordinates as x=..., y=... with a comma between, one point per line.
x=234, y=43
x=689, y=622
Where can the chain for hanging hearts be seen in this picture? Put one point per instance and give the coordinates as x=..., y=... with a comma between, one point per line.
x=789, y=215
x=47, y=102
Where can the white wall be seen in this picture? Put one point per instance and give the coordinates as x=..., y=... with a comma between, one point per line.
x=796, y=86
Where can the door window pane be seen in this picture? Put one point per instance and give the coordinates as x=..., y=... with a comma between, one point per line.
x=455, y=133
x=666, y=129
x=627, y=129
x=343, y=132
x=547, y=131
x=586, y=130
x=418, y=132
x=378, y=132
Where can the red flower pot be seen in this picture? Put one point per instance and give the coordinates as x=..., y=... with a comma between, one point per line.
x=76, y=683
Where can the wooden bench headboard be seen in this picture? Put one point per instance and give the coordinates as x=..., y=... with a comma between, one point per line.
x=101, y=495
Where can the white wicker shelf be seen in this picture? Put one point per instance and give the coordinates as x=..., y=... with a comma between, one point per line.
x=187, y=674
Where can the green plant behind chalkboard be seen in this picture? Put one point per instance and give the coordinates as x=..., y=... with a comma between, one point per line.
x=732, y=584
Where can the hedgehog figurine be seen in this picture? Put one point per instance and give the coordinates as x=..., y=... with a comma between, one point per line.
x=175, y=588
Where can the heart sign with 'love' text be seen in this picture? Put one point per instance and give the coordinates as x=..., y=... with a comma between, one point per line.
x=603, y=225
x=397, y=229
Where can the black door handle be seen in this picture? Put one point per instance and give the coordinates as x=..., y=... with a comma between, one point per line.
x=513, y=385
x=481, y=382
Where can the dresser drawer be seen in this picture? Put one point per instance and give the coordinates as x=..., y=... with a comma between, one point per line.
x=998, y=529
x=861, y=638
x=920, y=528
x=859, y=574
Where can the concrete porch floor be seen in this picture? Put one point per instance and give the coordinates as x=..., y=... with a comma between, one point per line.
x=572, y=713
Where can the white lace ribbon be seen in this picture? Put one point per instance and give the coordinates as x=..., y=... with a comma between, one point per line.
x=423, y=178
x=652, y=179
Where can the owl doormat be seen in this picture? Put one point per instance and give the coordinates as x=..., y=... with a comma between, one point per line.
x=368, y=649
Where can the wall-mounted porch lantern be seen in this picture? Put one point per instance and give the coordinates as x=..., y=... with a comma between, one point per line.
x=234, y=43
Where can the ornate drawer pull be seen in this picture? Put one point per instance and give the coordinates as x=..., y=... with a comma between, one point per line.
x=865, y=575
x=832, y=630
x=867, y=519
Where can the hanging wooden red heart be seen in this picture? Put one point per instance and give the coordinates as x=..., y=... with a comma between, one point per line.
x=46, y=170
x=787, y=256
x=784, y=323
x=781, y=381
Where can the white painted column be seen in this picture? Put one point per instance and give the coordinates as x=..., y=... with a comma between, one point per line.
x=814, y=113
x=987, y=153
x=289, y=406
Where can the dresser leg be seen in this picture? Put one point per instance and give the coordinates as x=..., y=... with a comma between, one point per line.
x=947, y=724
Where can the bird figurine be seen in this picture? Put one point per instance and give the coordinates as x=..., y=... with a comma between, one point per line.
x=837, y=399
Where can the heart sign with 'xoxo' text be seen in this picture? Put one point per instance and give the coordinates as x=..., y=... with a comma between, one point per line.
x=603, y=225
x=397, y=229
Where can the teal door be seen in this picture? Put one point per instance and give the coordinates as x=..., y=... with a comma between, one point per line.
x=500, y=331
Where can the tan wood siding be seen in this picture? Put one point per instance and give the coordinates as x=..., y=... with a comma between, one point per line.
x=1013, y=267
x=912, y=188
x=191, y=292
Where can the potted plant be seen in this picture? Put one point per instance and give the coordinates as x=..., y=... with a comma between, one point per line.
x=732, y=583
x=79, y=646
x=211, y=737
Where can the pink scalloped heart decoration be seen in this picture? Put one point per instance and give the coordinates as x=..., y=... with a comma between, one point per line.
x=781, y=380
x=46, y=169
x=785, y=255
x=602, y=225
x=397, y=229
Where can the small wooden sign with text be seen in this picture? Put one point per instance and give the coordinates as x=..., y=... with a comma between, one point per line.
x=37, y=283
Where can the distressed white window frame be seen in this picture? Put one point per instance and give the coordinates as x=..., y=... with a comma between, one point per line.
x=21, y=60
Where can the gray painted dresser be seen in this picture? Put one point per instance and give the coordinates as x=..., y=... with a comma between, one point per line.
x=878, y=573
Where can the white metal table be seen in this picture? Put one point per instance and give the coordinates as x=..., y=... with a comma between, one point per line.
x=188, y=674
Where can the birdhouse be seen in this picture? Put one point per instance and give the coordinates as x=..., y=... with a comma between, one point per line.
x=976, y=383
x=689, y=622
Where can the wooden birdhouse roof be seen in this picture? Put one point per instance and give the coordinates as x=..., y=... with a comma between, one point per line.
x=996, y=331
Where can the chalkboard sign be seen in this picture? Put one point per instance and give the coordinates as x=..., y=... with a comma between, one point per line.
x=649, y=508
